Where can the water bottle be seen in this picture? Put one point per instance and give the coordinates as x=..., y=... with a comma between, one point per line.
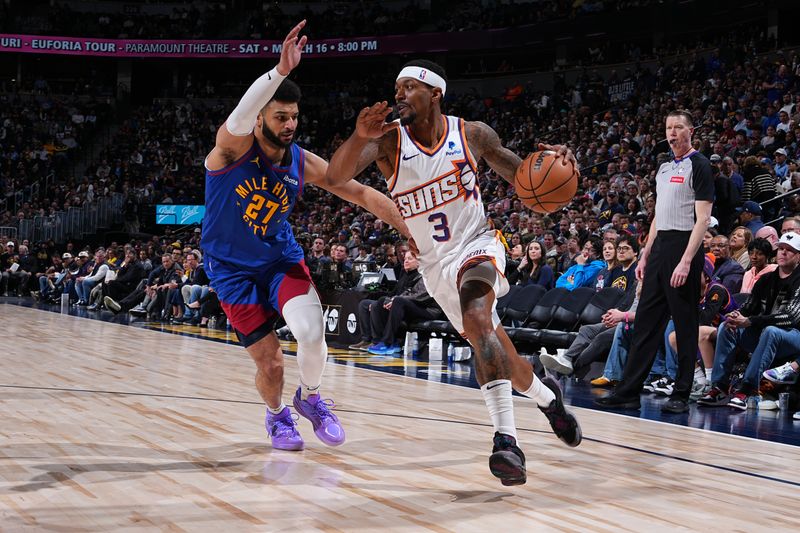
x=65, y=302
x=450, y=351
x=783, y=402
x=753, y=401
x=434, y=348
x=411, y=345
x=212, y=323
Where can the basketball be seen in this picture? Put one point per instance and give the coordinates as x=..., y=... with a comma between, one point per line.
x=544, y=183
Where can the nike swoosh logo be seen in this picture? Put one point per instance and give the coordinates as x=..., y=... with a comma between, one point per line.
x=493, y=386
x=411, y=157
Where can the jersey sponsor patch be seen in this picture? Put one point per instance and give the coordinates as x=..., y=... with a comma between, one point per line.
x=677, y=179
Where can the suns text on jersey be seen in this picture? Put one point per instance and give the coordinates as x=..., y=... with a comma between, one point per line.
x=439, y=191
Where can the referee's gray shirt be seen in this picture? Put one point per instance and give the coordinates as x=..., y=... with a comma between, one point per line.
x=679, y=184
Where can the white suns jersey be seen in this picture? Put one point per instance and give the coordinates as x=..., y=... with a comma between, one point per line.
x=437, y=192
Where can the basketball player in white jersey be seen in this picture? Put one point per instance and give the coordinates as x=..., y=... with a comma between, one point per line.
x=430, y=164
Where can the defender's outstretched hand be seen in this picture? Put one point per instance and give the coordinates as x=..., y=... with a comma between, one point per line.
x=371, y=121
x=292, y=50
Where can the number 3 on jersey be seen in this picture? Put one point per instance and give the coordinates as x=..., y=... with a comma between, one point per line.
x=444, y=236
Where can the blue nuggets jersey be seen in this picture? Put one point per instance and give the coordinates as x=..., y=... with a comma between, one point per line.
x=247, y=206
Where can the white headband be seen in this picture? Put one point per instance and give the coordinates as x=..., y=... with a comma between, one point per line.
x=425, y=76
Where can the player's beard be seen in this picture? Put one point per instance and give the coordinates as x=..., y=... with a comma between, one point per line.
x=274, y=139
x=408, y=119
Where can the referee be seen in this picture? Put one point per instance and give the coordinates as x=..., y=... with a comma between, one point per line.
x=670, y=266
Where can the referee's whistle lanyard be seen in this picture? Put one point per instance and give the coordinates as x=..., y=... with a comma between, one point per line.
x=684, y=156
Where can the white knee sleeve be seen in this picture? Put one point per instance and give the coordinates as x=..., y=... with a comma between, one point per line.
x=303, y=315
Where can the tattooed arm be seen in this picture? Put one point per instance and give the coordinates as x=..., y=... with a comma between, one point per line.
x=484, y=143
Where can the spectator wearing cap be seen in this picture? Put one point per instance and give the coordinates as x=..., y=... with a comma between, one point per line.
x=726, y=271
x=610, y=206
x=761, y=251
x=85, y=284
x=766, y=326
x=781, y=167
x=750, y=216
x=65, y=282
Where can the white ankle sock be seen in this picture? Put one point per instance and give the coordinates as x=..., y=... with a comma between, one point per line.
x=539, y=392
x=497, y=395
x=305, y=391
x=277, y=410
x=699, y=375
x=708, y=374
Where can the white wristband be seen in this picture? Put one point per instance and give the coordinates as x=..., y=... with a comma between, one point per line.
x=242, y=120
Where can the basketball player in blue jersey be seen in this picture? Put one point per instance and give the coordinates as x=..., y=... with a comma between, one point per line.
x=429, y=161
x=254, y=175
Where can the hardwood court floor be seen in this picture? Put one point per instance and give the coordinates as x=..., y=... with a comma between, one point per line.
x=114, y=428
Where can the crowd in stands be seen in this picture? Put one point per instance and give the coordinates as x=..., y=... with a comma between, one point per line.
x=215, y=19
x=186, y=20
x=40, y=135
x=746, y=110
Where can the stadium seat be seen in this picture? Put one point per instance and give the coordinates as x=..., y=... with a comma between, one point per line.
x=567, y=312
x=502, y=302
x=522, y=303
x=542, y=312
x=601, y=302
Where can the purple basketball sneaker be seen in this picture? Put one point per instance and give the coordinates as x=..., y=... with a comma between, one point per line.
x=282, y=429
x=326, y=425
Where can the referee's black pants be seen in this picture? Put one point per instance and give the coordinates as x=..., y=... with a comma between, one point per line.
x=657, y=303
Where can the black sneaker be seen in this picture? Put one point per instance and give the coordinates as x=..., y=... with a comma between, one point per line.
x=675, y=405
x=563, y=422
x=612, y=401
x=714, y=398
x=507, y=461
